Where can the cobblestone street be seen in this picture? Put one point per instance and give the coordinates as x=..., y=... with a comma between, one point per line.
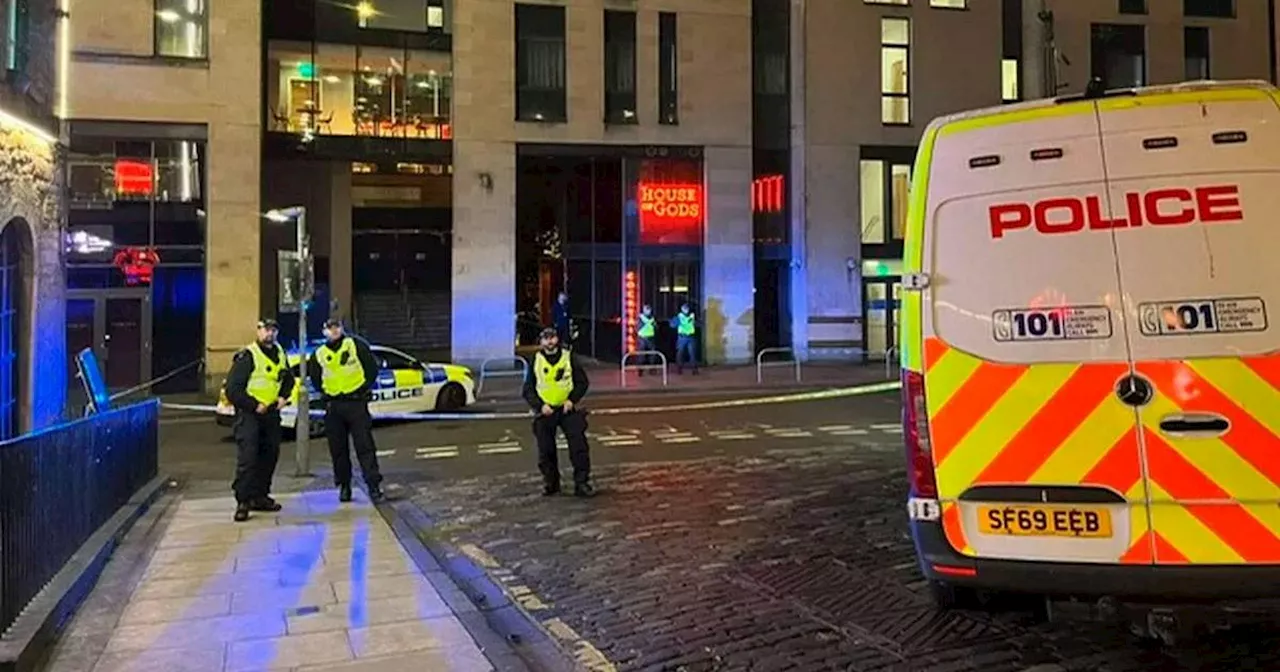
x=788, y=559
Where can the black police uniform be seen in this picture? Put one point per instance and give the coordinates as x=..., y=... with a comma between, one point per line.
x=257, y=436
x=348, y=414
x=573, y=424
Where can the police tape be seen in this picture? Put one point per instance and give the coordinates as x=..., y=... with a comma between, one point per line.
x=817, y=395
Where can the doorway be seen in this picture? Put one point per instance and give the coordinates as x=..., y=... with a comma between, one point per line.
x=880, y=296
x=116, y=325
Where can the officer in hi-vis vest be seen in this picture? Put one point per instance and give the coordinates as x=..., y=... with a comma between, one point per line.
x=686, y=326
x=344, y=370
x=259, y=384
x=646, y=331
x=554, y=388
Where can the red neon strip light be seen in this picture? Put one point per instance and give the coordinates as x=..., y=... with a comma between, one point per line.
x=631, y=296
x=768, y=194
x=133, y=177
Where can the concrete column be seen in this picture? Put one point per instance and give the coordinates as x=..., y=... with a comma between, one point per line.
x=798, y=187
x=340, y=284
x=728, y=262
x=484, y=250
x=233, y=233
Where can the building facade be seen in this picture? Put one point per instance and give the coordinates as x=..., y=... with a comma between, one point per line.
x=33, y=374
x=462, y=163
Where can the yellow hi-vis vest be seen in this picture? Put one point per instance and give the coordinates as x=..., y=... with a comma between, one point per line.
x=685, y=326
x=341, y=372
x=553, y=382
x=264, y=381
x=647, y=326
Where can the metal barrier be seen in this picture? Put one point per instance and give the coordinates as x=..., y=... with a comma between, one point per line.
x=523, y=372
x=644, y=367
x=889, y=356
x=59, y=485
x=761, y=364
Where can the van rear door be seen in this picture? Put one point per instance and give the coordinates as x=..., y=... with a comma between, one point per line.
x=1025, y=343
x=1194, y=179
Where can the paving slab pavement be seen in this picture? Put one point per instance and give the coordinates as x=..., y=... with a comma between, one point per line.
x=318, y=587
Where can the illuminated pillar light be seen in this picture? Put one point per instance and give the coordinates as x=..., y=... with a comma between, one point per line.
x=64, y=56
x=630, y=299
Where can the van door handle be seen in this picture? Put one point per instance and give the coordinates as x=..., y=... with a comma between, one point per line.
x=1194, y=425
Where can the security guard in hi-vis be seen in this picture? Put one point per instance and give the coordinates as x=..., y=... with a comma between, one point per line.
x=344, y=370
x=554, y=387
x=646, y=332
x=258, y=385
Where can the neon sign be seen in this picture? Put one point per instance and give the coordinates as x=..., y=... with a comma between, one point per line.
x=137, y=264
x=670, y=213
x=134, y=178
x=768, y=194
x=630, y=299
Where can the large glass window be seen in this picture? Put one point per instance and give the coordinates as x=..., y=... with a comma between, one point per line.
x=668, y=70
x=1119, y=55
x=419, y=16
x=895, y=58
x=182, y=28
x=884, y=191
x=352, y=90
x=1195, y=51
x=620, y=67
x=540, y=63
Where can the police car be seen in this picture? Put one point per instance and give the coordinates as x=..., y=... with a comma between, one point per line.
x=404, y=385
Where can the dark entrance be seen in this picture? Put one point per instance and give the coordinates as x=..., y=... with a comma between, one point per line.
x=12, y=331
x=116, y=325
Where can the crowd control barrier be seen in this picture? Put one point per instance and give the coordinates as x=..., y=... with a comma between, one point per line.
x=644, y=367
x=485, y=373
x=761, y=365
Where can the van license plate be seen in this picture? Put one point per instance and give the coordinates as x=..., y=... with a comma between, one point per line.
x=1045, y=521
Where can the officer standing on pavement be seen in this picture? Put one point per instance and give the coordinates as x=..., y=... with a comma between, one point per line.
x=554, y=387
x=686, y=327
x=646, y=330
x=259, y=384
x=344, y=370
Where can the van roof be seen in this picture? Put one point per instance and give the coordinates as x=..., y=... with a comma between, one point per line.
x=1141, y=92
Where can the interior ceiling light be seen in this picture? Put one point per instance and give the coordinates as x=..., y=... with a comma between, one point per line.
x=365, y=10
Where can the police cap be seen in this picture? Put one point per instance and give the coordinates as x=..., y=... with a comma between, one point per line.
x=332, y=322
x=268, y=323
x=548, y=332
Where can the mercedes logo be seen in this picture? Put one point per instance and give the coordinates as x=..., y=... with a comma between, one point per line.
x=1134, y=390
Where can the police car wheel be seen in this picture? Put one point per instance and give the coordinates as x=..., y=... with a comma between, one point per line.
x=452, y=398
x=948, y=597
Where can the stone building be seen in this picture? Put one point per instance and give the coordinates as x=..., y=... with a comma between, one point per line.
x=33, y=363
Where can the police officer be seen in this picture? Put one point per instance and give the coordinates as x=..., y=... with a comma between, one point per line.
x=553, y=388
x=258, y=385
x=686, y=328
x=646, y=330
x=344, y=370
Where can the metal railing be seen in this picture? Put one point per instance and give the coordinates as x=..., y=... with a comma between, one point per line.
x=761, y=365
x=644, y=367
x=889, y=357
x=485, y=373
x=59, y=485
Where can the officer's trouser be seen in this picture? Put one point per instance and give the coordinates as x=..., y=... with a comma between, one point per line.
x=257, y=452
x=687, y=352
x=574, y=425
x=345, y=417
x=646, y=344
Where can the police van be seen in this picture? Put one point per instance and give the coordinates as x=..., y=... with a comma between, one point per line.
x=404, y=385
x=1091, y=383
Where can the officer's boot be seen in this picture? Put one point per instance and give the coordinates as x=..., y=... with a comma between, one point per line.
x=242, y=512
x=344, y=492
x=376, y=494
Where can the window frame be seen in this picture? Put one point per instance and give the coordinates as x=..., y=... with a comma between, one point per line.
x=1232, y=10
x=892, y=247
x=1017, y=81
x=555, y=101
x=891, y=3
x=964, y=5
x=906, y=48
x=1093, y=52
x=668, y=78
x=618, y=102
x=1208, y=51
x=1122, y=11
x=205, y=46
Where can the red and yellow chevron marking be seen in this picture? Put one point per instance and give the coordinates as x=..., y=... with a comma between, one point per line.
x=1212, y=500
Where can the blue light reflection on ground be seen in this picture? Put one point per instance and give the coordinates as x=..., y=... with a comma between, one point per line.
x=357, y=611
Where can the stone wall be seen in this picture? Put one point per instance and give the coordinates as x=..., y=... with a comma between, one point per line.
x=29, y=199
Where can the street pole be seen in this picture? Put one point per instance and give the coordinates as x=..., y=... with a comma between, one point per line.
x=302, y=427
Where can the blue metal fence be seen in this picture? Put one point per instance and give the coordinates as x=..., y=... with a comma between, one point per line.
x=59, y=485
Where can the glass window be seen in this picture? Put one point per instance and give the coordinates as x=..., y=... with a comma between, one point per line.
x=895, y=82
x=1118, y=53
x=1195, y=51
x=540, y=63
x=17, y=22
x=389, y=359
x=412, y=15
x=620, y=67
x=668, y=61
x=871, y=194
x=950, y=4
x=181, y=28
x=1133, y=6
x=1214, y=9
x=901, y=176
x=1010, y=89
x=888, y=2
x=879, y=268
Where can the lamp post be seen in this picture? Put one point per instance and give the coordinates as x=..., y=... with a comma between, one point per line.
x=302, y=427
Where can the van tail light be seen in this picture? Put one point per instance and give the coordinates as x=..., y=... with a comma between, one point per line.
x=915, y=430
